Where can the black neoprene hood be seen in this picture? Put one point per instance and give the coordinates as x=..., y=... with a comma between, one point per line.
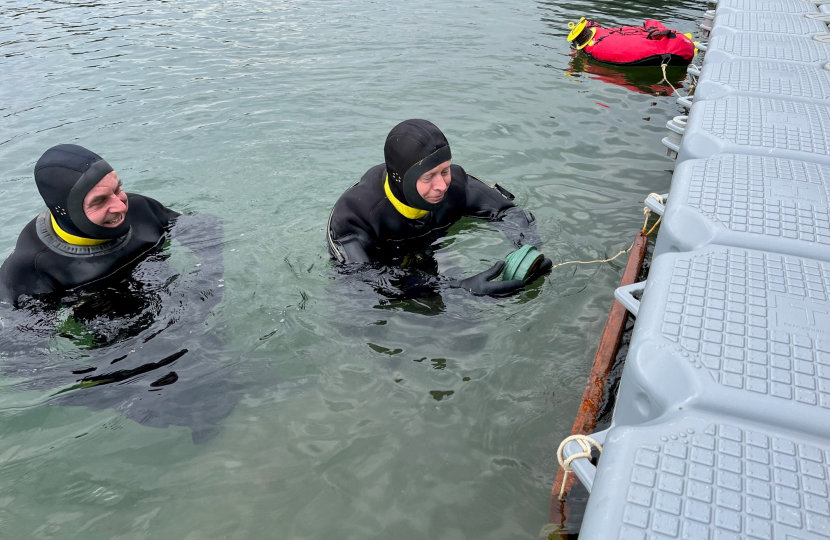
x=64, y=174
x=412, y=148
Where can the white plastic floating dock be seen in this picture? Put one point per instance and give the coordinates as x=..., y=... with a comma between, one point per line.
x=777, y=47
x=751, y=125
x=766, y=6
x=698, y=476
x=766, y=23
x=721, y=428
x=738, y=332
x=749, y=202
x=764, y=79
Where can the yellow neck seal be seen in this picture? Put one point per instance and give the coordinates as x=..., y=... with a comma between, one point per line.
x=71, y=238
x=405, y=211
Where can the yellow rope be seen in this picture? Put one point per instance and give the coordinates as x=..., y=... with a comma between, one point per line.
x=623, y=252
x=647, y=213
x=656, y=223
x=692, y=82
x=666, y=79
x=585, y=443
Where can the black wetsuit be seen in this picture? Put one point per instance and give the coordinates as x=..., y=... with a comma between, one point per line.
x=365, y=226
x=43, y=263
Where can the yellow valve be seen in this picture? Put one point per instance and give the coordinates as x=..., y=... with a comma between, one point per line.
x=695, y=42
x=578, y=32
x=576, y=28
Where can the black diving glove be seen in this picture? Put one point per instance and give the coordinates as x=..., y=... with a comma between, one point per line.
x=542, y=269
x=481, y=284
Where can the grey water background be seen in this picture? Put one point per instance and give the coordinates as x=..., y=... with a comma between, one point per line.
x=358, y=418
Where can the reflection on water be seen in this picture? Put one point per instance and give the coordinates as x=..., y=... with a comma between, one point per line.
x=645, y=80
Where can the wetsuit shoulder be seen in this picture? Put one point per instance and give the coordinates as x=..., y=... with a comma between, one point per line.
x=21, y=272
x=149, y=205
x=367, y=193
x=354, y=226
x=483, y=200
x=494, y=203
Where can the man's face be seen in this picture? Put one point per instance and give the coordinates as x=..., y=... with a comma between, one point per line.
x=106, y=204
x=433, y=184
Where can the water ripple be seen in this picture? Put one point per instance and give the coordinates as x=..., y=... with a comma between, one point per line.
x=350, y=417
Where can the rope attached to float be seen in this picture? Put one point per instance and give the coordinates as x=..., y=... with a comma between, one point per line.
x=647, y=213
x=585, y=443
x=666, y=78
x=692, y=81
x=623, y=252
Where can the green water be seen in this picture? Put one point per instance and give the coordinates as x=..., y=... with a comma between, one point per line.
x=353, y=418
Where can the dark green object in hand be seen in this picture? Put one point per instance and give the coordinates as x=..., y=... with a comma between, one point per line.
x=521, y=263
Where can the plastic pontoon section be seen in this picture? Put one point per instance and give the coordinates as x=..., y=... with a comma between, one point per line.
x=747, y=201
x=766, y=23
x=764, y=79
x=769, y=6
x=761, y=126
x=737, y=332
x=776, y=47
x=701, y=477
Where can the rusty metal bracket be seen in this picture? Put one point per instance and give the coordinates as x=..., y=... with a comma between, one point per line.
x=586, y=417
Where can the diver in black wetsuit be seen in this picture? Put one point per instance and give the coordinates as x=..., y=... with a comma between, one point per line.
x=92, y=269
x=406, y=203
x=92, y=228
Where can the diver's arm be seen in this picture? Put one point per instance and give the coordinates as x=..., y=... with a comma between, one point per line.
x=487, y=284
x=21, y=272
x=203, y=234
x=347, y=242
x=18, y=279
x=494, y=204
x=163, y=214
x=12, y=283
x=401, y=283
x=397, y=283
x=348, y=250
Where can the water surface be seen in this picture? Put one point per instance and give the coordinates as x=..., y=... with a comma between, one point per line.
x=346, y=416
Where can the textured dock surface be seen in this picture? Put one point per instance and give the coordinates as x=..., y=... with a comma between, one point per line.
x=721, y=428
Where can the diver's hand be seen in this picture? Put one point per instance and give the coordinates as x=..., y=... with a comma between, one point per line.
x=542, y=269
x=481, y=284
